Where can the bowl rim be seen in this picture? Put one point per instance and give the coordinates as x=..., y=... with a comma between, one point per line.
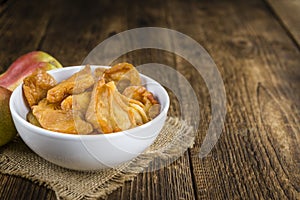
x=67, y=136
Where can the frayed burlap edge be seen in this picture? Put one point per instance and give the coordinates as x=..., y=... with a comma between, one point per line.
x=166, y=150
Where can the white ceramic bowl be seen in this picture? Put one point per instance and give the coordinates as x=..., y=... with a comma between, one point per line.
x=88, y=152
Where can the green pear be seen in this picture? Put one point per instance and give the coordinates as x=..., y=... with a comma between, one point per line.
x=7, y=128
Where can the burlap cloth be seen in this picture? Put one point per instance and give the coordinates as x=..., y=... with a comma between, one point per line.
x=17, y=159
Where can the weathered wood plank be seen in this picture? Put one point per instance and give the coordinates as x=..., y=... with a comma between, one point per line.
x=12, y=187
x=22, y=27
x=4, y=4
x=256, y=156
x=288, y=12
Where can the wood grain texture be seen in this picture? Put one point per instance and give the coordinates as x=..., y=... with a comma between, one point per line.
x=20, y=30
x=289, y=14
x=257, y=155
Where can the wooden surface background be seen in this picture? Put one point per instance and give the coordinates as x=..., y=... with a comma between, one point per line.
x=255, y=45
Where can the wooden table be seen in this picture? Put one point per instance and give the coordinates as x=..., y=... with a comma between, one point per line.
x=255, y=45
